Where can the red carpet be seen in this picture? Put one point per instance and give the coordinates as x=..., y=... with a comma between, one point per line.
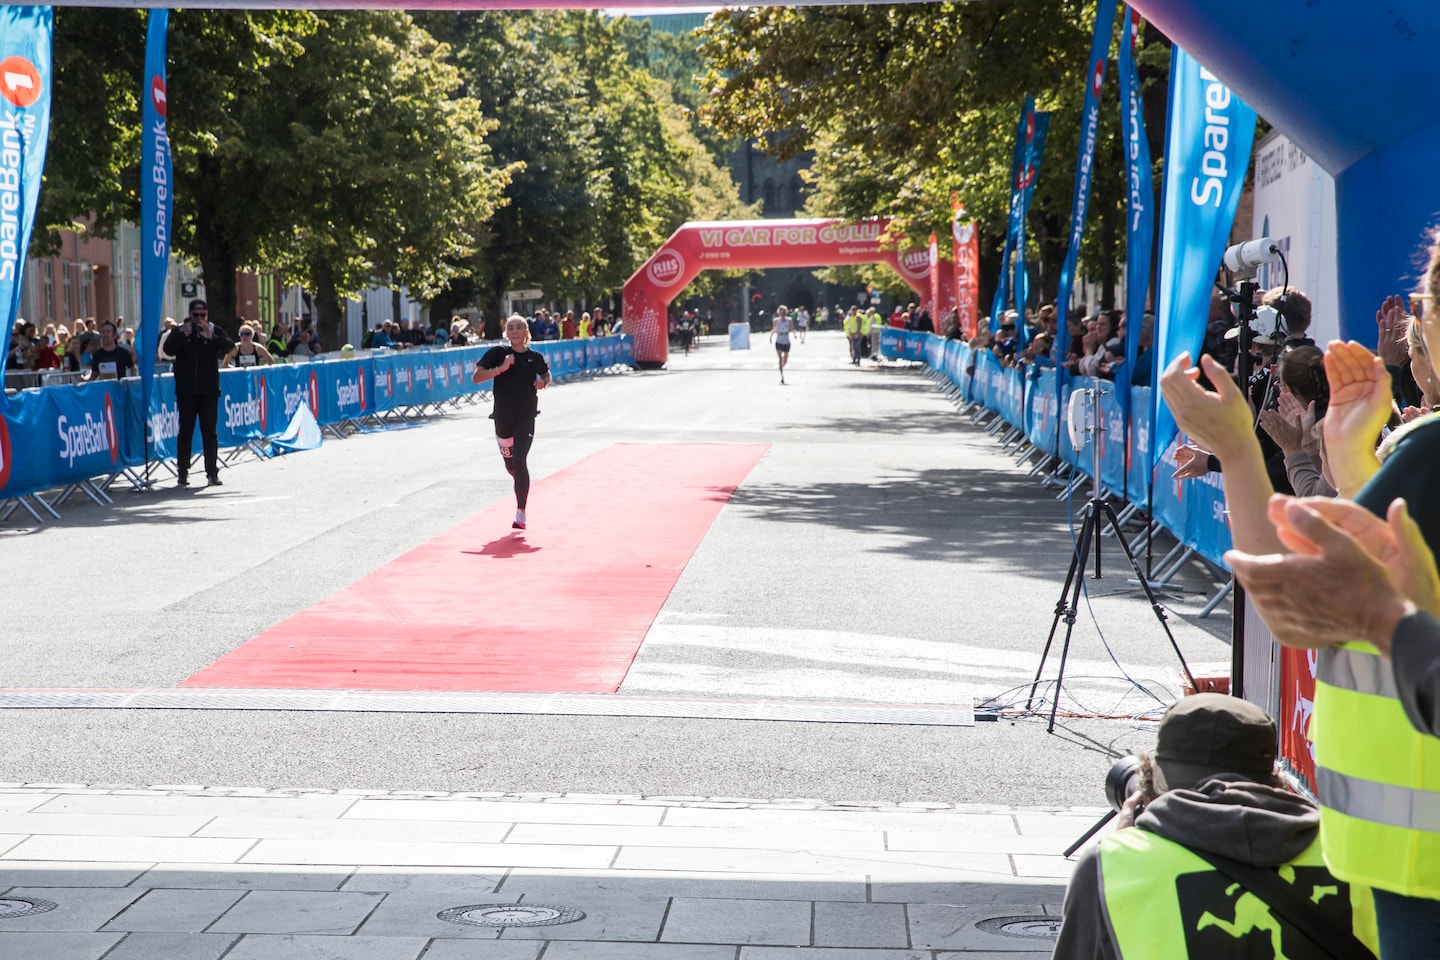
x=561, y=607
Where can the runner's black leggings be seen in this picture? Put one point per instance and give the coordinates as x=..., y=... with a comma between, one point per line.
x=515, y=435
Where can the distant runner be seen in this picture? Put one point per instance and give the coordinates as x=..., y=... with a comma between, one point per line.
x=519, y=373
x=780, y=328
x=802, y=322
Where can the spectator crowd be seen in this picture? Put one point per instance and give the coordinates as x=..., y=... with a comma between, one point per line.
x=96, y=349
x=1330, y=462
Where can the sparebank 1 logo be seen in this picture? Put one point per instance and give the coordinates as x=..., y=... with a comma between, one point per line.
x=112, y=436
x=20, y=82
x=360, y=382
x=915, y=264
x=666, y=269
x=4, y=451
x=314, y=394
x=1097, y=79
x=157, y=95
x=264, y=408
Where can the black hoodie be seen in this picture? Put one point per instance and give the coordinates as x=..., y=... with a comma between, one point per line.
x=1251, y=822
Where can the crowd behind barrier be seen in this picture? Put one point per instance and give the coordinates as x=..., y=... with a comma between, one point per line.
x=1193, y=511
x=83, y=436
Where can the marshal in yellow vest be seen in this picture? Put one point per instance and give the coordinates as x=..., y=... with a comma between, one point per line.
x=1161, y=900
x=1378, y=777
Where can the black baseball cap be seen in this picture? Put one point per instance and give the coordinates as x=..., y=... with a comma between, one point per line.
x=201, y=304
x=1211, y=733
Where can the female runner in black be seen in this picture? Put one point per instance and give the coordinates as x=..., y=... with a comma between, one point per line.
x=519, y=373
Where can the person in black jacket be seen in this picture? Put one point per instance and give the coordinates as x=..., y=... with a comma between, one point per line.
x=197, y=346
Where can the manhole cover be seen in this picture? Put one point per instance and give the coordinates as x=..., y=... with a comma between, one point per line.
x=1030, y=928
x=17, y=907
x=510, y=915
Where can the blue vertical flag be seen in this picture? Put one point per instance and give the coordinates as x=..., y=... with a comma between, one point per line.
x=1207, y=150
x=1085, y=162
x=25, y=77
x=155, y=206
x=1139, y=205
x=1024, y=134
x=1034, y=151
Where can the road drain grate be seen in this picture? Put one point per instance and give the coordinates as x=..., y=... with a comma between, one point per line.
x=510, y=915
x=12, y=907
x=1028, y=928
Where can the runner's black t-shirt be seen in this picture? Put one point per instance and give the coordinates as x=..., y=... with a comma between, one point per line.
x=515, y=393
x=115, y=362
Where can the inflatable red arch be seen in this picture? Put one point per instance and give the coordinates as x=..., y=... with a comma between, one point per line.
x=756, y=244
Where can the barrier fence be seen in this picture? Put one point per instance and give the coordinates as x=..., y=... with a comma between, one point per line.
x=1193, y=511
x=81, y=437
x=1281, y=681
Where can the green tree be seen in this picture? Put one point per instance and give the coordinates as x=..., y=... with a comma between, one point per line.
x=98, y=55
x=390, y=175
x=610, y=164
x=548, y=223
x=906, y=105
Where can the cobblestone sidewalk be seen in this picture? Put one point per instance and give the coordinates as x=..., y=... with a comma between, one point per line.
x=176, y=872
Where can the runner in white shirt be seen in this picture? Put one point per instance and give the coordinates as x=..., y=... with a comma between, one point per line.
x=802, y=322
x=780, y=328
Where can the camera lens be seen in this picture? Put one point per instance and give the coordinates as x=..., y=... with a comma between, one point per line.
x=1122, y=780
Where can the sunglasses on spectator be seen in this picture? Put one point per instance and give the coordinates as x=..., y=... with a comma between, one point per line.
x=244, y=333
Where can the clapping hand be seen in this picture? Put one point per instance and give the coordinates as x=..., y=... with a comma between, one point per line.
x=1190, y=462
x=1290, y=425
x=1350, y=576
x=1218, y=419
x=1393, y=322
x=1359, y=406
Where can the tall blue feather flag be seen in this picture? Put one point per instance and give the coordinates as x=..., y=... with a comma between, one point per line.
x=1207, y=151
x=156, y=203
x=26, y=75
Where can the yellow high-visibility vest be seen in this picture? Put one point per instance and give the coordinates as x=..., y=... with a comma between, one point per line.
x=1378, y=777
x=1162, y=900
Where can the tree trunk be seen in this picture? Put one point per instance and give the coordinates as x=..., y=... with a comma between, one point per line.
x=217, y=263
x=395, y=301
x=494, y=323
x=328, y=314
x=991, y=246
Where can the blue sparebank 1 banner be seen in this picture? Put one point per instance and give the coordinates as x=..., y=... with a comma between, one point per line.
x=25, y=77
x=1207, y=152
x=1085, y=162
x=1034, y=153
x=1139, y=204
x=155, y=205
x=1024, y=133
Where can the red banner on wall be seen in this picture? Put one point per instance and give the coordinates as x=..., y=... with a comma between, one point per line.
x=967, y=272
x=1297, y=701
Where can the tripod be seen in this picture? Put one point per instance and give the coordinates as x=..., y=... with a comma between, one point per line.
x=1098, y=512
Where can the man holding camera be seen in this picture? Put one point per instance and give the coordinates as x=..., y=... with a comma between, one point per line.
x=197, y=346
x=1214, y=858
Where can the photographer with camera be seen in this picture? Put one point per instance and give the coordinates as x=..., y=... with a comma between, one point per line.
x=1213, y=856
x=197, y=346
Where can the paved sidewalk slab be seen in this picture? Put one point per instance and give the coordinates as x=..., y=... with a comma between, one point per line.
x=449, y=877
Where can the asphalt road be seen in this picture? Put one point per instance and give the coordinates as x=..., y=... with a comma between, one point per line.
x=883, y=550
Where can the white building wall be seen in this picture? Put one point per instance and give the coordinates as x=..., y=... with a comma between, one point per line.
x=1295, y=206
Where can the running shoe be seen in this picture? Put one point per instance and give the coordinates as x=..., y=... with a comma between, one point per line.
x=519, y=523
